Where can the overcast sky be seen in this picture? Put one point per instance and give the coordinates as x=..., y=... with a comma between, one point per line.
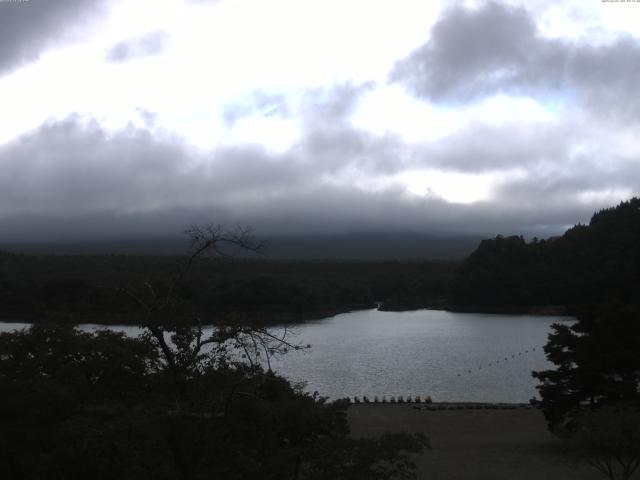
x=297, y=116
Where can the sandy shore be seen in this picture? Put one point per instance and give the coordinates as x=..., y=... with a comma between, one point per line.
x=475, y=444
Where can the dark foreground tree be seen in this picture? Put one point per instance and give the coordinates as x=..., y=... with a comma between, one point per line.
x=608, y=439
x=597, y=363
x=101, y=405
x=592, y=398
x=179, y=402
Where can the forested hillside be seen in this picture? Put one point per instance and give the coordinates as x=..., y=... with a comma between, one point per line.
x=588, y=264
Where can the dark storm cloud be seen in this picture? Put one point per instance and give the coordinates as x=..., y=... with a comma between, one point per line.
x=323, y=209
x=30, y=27
x=150, y=44
x=75, y=167
x=73, y=180
x=498, y=48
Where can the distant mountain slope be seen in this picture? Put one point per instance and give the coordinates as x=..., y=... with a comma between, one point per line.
x=589, y=263
x=355, y=246
x=372, y=246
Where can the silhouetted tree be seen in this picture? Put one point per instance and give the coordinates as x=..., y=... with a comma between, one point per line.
x=608, y=439
x=597, y=363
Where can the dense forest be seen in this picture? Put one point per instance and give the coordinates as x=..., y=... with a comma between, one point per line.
x=588, y=264
x=89, y=288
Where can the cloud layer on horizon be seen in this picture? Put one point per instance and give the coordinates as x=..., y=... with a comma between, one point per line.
x=523, y=133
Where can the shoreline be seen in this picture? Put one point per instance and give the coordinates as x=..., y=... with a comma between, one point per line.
x=283, y=318
x=444, y=405
x=542, y=310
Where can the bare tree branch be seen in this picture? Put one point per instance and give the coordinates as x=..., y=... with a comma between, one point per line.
x=188, y=344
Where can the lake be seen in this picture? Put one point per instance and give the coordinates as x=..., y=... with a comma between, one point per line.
x=449, y=356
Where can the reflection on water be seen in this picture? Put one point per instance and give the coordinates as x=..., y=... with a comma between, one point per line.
x=449, y=356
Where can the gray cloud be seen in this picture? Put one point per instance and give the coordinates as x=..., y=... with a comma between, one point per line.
x=323, y=209
x=498, y=48
x=147, y=45
x=480, y=148
x=577, y=177
x=75, y=167
x=73, y=180
x=470, y=52
x=28, y=28
x=330, y=139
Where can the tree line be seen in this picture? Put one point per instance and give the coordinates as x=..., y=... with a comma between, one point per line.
x=86, y=288
x=598, y=262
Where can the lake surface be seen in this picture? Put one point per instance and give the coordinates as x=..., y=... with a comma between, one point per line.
x=449, y=356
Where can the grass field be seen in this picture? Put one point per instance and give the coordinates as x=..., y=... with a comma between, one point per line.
x=475, y=444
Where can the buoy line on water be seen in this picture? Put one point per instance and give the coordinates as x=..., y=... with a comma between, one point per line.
x=500, y=360
x=381, y=399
